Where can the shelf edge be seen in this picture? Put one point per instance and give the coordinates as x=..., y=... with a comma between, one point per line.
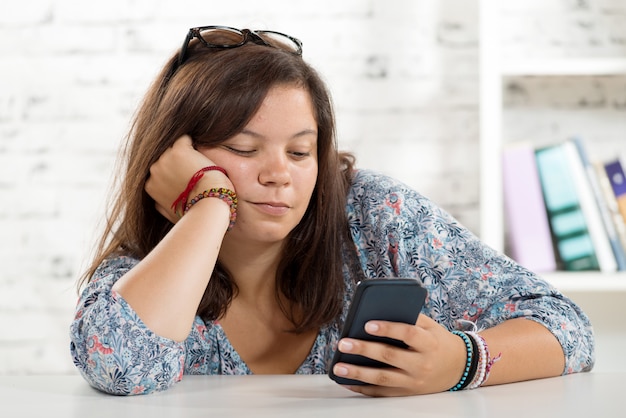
x=587, y=281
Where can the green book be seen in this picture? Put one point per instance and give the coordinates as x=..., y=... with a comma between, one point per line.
x=567, y=223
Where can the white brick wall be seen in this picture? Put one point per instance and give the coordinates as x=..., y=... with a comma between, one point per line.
x=405, y=82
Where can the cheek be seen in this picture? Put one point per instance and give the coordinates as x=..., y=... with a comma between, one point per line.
x=308, y=180
x=240, y=174
x=238, y=169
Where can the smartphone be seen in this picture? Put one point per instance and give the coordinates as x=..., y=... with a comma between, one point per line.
x=396, y=300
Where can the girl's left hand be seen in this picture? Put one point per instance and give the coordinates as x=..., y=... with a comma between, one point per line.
x=433, y=362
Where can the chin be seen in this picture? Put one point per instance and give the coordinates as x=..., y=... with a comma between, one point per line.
x=263, y=233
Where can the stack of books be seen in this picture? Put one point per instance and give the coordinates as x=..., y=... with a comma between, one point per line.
x=564, y=210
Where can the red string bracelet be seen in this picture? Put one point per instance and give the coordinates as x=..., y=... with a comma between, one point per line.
x=182, y=198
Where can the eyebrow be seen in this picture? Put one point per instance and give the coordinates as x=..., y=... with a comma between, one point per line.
x=302, y=133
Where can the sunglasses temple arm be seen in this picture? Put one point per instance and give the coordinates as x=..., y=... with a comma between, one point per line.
x=183, y=49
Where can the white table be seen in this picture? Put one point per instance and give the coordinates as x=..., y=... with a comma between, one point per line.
x=596, y=395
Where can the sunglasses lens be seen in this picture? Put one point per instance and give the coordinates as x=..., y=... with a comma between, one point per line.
x=222, y=37
x=281, y=41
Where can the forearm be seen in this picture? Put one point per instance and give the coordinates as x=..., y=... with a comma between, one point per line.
x=528, y=351
x=166, y=287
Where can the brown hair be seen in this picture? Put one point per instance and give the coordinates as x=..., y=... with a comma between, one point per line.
x=212, y=97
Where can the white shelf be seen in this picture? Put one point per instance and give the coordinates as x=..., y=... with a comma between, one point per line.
x=565, y=67
x=588, y=281
x=491, y=199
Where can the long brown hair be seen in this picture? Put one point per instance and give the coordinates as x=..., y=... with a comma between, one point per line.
x=212, y=97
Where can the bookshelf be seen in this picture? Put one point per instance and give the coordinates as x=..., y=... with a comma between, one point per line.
x=494, y=70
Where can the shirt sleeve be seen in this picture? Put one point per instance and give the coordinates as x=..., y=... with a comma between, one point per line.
x=400, y=233
x=110, y=345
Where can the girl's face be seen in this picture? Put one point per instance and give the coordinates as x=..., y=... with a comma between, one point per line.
x=273, y=165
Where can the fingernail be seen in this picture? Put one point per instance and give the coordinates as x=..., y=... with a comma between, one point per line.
x=341, y=371
x=345, y=345
x=371, y=327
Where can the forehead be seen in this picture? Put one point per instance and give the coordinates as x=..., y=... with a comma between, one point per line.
x=288, y=107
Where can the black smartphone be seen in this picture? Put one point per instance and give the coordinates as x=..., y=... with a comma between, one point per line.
x=396, y=300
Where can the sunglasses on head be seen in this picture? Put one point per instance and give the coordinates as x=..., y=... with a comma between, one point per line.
x=227, y=37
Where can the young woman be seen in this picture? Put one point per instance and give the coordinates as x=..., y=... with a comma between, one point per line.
x=239, y=233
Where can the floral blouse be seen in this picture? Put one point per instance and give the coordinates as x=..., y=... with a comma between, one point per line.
x=396, y=232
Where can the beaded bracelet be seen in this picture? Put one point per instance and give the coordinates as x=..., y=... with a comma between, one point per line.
x=221, y=193
x=479, y=377
x=475, y=363
x=468, y=363
x=485, y=361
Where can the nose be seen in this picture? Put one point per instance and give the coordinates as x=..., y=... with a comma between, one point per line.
x=275, y=171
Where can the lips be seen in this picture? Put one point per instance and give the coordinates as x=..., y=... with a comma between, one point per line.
x=272, y=208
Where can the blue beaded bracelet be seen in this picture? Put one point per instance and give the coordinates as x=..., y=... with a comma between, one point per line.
x=468, y=363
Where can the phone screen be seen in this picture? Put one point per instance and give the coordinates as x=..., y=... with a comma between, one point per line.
x=396, y=300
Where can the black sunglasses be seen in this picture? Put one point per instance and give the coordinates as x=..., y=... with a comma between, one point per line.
x=232, y=38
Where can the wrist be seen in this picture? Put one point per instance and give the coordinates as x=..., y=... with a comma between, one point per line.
x=470, y=361
x=226, y=195
x=485, y=361
x=182, y=200
x=210, y=180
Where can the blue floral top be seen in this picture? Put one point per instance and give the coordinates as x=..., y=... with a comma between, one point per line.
x=396, y=232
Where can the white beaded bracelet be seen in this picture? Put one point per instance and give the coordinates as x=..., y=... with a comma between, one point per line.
x=484, y=361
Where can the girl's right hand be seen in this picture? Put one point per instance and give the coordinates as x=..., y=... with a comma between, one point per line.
x=171, y=173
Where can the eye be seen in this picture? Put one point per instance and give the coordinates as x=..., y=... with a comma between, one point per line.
x=239, y=151
x=300, y=154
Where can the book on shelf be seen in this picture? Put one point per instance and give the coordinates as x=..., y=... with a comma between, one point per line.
x=528, y=231
x=608, y=247
x=564, y=210
x=571, y=237
x=615, y=171
x=610, y=200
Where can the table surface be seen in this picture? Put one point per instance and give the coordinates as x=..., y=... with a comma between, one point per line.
x=586, y=394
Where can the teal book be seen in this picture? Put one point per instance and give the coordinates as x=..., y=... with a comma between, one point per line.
x=574, y=246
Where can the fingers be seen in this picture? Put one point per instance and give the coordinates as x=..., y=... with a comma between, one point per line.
x=384, y=376
x=407, y=371
x=395, y=357
x=415, y=336
x=381, y=391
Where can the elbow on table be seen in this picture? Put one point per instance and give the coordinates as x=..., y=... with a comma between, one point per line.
x=117, y=354
x=110, y=373
x=120, y=385
x=579, y=349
